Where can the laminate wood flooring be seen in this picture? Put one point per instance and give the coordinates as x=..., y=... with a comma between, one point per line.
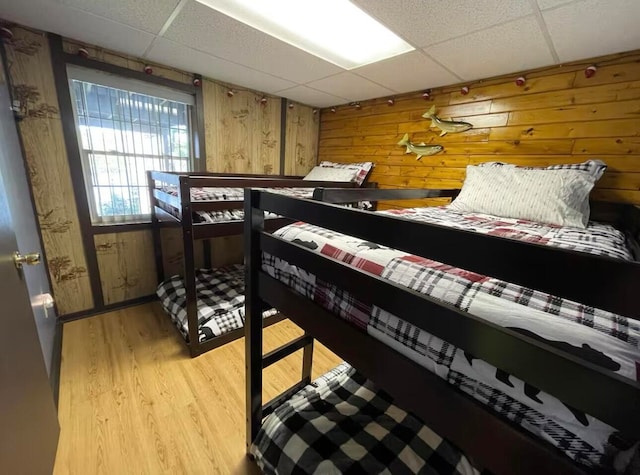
x=132, y=401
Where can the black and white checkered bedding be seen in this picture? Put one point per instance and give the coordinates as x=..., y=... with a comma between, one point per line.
x=220, y=295
x=609, y=340
x=341, y=423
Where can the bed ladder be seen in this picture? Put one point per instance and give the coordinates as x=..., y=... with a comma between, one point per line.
x=255, y=361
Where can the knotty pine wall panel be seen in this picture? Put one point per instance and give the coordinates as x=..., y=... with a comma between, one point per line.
x=242, y=135
x=559, y=116
x=127, y=265
x=31, y=74
x=301, y=147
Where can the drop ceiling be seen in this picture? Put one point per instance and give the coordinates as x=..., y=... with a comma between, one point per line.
x=455, y=41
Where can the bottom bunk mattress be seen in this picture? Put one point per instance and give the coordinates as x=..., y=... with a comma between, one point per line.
x=608, y=340
x=340, y=423
x=220, y=296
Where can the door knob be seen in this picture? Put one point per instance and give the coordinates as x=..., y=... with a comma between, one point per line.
x=30, y=259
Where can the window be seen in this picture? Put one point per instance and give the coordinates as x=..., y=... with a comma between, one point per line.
x=126, y=127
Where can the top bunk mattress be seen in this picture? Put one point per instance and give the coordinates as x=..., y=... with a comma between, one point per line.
x=236, y=194
x=606, y=339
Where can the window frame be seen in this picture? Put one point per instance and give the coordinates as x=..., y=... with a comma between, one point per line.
x=108, y=79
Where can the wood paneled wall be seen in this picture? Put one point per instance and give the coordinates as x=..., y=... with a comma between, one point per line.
x=241, y=135
x=127, y=265
x=558, y=116
x=301, y=150
x=29, y=65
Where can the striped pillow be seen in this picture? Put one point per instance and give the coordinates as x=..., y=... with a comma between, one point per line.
x=333, y=174
x=559, y=197
x=595, y=168
x=363, y=169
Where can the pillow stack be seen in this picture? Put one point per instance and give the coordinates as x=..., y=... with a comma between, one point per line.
x=341, y=172
x=558, y=194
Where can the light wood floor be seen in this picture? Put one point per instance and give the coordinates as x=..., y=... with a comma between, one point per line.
x=133, y=401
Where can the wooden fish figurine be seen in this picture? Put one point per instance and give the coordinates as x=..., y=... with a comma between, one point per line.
x=421, y=149
x=451, y=126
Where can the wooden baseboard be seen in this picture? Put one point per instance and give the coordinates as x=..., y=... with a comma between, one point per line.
x=107, y=308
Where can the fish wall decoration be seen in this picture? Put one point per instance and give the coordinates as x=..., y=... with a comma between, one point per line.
x=446, y=126
x=421, y=149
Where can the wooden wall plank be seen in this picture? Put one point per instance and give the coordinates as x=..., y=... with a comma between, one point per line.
x=559, y=116
x=126, y=264
x=242, y=135
x=33, y=85
x=301, y=139
x=607, y=110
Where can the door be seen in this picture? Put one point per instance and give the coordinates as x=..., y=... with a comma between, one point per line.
x=24, y=224
x=28, y=420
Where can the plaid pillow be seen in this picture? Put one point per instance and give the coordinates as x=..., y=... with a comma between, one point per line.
x=363, y=169
x=595, y=168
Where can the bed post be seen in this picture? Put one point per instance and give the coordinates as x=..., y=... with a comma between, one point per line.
x=253, y=226
x=189, y=265
x=307, y=360
x=155, y=229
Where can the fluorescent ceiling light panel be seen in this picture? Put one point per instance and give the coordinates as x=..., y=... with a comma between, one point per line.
x=334, y=30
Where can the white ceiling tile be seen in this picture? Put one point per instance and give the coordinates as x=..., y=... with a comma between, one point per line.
x=546, y=4
x=146, y=15
x=592, y=28
x=48, y=15
x=202, y=28
x=424, y=23
x=350, y=86
x=512, y=47
x=407, y=72
x=311, y=97
x=173, y=54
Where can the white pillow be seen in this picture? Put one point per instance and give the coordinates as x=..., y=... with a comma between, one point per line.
x=363, y=169
x=594, y=167
x=332, y=174
x=558, y=197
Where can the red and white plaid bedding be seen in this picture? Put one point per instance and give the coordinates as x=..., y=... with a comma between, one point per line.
x=236, y=194
x=606, y=339
x=229, y=194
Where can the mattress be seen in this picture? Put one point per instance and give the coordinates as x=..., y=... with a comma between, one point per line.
x=220, y=297
x=341, y=423
x=218, y=194
x=609, y=340
x=235, y=194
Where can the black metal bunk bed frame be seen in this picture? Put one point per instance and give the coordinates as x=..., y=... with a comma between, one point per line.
x=191, y=232
x=493, y=442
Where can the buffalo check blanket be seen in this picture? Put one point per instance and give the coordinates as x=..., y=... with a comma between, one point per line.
x=340, y=423
x=220, y=294
x=608, y=340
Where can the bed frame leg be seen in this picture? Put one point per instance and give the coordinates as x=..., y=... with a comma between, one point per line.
x=155, y=230
x=189, y=265
x=307, y=361
x=253, y=226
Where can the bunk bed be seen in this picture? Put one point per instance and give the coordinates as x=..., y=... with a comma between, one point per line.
x=207, y=305
x=493, y=432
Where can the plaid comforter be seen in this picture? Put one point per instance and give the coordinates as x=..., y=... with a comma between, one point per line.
x=606, y=339
x=229, y=194
x=220, y=294
x=341, y=424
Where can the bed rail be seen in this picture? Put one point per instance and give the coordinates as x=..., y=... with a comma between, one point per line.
x=177, y=209
x=341, y=196
x=602, y=282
